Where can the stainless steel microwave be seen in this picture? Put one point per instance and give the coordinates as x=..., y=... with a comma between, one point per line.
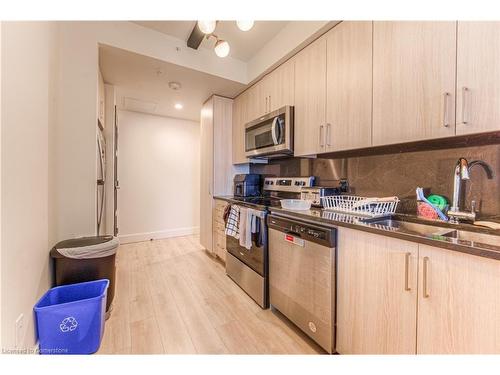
x=270, y=135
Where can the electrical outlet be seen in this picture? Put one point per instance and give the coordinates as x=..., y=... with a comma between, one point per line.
x=19, y=330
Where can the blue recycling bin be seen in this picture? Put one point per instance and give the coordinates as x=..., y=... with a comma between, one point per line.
x=70, y=318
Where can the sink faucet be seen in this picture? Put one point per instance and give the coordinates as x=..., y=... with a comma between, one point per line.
x=462, y=173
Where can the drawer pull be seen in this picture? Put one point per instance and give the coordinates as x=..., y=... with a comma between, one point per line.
x=425, y=276
x=407, y=271
x=446, y=123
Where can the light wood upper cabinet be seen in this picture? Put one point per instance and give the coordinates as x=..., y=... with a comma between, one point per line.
x=310, y=99
x=413, y=81
x=255, y=104
x=349, y=86
x=239, y=121
x=376, y=294
x=458, y=303
x=278, y=87
x=478, y=77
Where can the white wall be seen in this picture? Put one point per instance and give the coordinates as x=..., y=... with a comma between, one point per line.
x=76, y=125
x=159, y=174
x=27, y=93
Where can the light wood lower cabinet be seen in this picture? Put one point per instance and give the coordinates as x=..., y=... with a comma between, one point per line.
x=219, y=236
x=376, y=294
x=458, y=303
x=381, y=309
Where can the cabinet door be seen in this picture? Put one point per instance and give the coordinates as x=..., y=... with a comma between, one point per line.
x=310, y=99
x=478, y=77
x=376, y=294
x=458, y=303
x=280, y=85
x=349, y=86
x=206, y=174
x=238, y=136
x=255, y=102
x=413, y=81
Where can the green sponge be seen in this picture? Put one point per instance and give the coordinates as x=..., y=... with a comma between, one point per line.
x=438, y=201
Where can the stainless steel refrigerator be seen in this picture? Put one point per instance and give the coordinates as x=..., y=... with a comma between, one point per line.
x=101, y=176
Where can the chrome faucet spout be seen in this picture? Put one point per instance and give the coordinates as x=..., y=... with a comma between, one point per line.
x=462, y=172
x=486, y=167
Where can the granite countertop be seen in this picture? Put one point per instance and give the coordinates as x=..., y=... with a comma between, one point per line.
x=437, y=239
x=405, y=232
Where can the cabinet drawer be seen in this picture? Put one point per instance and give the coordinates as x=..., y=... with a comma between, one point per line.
x=219, y=227
x=220, y=241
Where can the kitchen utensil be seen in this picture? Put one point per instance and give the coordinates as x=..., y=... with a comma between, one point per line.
x=421, y=197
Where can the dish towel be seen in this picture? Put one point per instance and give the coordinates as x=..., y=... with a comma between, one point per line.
x=244, y=229
x=233, y=222
x=249, y=225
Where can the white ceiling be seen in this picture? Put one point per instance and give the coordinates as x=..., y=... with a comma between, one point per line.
x=144, y=80
x=244, y=44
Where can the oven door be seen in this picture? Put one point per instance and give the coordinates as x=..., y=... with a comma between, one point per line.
x=270, y=134
x=255, y=258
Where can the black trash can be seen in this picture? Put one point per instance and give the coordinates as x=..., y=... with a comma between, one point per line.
x=86, y=259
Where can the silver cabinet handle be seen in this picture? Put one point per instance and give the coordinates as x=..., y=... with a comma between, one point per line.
x=407, y=271
x=446, y=123
x=425, y=276
x=321, y=140
x=465, y=90
x=328, y=135
x=265, y=110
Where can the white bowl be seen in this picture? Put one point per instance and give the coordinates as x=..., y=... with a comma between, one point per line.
x=296, y=204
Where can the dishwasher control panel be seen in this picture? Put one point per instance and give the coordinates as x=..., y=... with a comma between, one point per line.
x=296, y=230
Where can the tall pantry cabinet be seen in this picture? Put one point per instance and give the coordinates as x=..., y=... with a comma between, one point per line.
x=216, y=168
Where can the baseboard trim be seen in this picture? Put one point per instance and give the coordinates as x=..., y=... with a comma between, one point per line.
x=139, y=237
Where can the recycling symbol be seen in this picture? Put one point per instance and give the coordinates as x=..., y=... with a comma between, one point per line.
x=68, y=324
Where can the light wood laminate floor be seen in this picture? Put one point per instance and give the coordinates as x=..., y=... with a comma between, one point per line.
x=172, y=297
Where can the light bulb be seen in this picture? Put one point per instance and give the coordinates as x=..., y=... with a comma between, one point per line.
x=207, y=27
x=221, y=48
x=178, y=106
x=244, y=25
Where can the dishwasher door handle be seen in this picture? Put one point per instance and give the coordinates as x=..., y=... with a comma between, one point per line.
x=292, y=233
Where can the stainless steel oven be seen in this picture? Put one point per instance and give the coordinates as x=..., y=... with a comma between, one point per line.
x=249, y=267
x=270, y=135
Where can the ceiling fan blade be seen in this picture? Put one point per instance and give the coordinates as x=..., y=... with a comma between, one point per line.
x=196, y=37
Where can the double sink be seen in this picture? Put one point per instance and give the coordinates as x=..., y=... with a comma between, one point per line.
x=434, y=231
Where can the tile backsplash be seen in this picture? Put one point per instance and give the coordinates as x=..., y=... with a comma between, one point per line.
x=399, y=174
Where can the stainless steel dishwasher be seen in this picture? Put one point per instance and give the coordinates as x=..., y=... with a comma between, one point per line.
x=302, y=276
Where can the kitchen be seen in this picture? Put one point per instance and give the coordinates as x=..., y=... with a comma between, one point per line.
x=387, y=264
x=277, y=187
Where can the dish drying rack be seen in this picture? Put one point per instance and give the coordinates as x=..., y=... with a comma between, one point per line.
x=363, y=206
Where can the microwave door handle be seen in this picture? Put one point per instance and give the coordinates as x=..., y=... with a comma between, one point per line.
x=274, y=126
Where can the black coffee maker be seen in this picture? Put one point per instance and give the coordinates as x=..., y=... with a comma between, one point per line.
x=247, y=185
